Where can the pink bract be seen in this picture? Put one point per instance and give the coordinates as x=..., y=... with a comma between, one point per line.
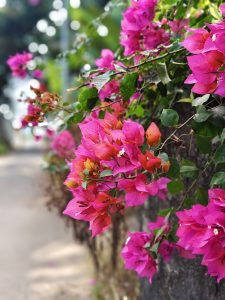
x=18, y=64
x=63, y=145
x=202, y=232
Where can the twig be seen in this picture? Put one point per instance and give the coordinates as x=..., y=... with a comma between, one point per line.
x=175, y=131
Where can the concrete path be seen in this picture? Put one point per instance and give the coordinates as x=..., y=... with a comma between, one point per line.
x=38, y=257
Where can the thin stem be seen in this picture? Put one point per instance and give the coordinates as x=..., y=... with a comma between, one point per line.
x=175, y=131
x=194, y=182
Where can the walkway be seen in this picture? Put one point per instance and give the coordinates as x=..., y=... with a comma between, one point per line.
x=38, y=257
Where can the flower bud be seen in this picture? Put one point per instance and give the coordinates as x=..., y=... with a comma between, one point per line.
x=153, y=135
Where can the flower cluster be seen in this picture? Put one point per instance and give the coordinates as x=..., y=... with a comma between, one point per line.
x=139, y=33
x=139, y=253
x=18, y=63
x=63, y=145
x=202, y=231
x=208, y=62
x=37, y=107
x=109, y=162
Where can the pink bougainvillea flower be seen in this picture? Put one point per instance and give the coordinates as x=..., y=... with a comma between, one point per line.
x=63, y=145
x=222, y=8
x=34, y=2
x=33, y=117
x=178, y=26
x=162, y=187
x=217, y=197
x=159, y=223
x=202, y=232
x=193, y=227
x=206, y=76
x=92, y=207
x=106, y=60
x=18, y=64
x=109, y=89
x=138, y=31
x=195, y=42
x=136, y=257
x=137, y=190
x=38, y=74
x=166, y=250
x=153, y=135
x=50, y=133
x=153, y=37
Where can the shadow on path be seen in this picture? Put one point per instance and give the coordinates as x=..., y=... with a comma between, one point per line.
x=38, y=258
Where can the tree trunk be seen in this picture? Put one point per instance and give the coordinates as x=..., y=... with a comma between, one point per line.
x=182, y=279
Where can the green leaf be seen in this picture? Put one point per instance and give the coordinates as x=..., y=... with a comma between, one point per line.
x=155, y=247
x=188, y=203
x=158, y=232
x=139, y=111
x=165, y=212
x=220, y=154
x=164, y=157
x=202, y=114
x=105, y=173
x=185, y=100
x=214, y=11
x=163, y=73
x=218, y=179
x=203, y=143
x=175, y=186
x=222, y=137
x=218, y=111
x=135, y=110
x=174, y=171
x=76, y=118
x=205, y=129
x=128, y=85
x=200, y=100
x=188, y=169
x=100, y=81
x=169, y=117
x=202, y=196
x=88, y=98
x=84, y=185
x=102, y=114
x=86, y=172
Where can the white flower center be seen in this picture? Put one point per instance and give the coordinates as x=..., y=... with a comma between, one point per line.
x=121, y=152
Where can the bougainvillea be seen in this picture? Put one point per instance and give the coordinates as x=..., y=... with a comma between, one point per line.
x=63, y=144
x=109, y=159
x=201, y=231
x=207, y=63
x=146, y=136
x=18, y=64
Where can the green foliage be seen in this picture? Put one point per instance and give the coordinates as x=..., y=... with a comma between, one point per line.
x=169, y=117
x=175, y=186
x=128, y=85
x=218, y=179
x=105, y=173
x=202, y=114
x=220, y=154
x=100, y=81
x=174, y=171
x=163, y=72
x=188, y=169
x=88, y=98
x=200, y=100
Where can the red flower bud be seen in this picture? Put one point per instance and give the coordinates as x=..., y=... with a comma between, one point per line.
x=153, y=135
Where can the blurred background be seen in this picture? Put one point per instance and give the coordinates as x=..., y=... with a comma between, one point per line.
x=38, y=256
x=49, y=30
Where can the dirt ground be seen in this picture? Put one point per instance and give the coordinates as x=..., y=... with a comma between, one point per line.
x=38, y=257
